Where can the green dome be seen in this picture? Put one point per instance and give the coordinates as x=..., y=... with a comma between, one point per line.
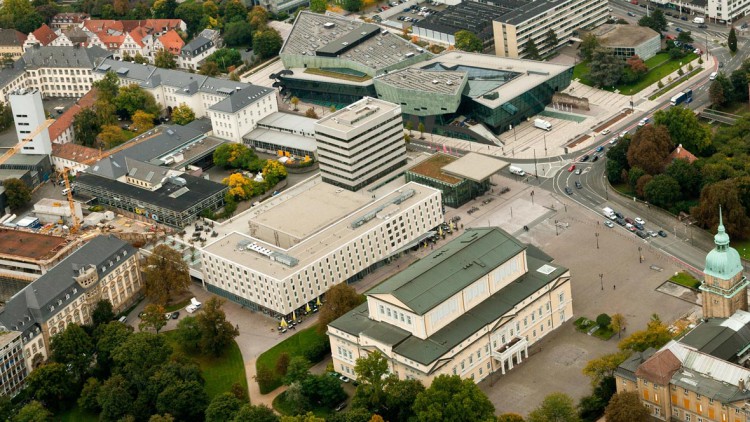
x=723, y=261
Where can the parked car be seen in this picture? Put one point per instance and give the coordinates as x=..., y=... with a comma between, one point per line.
x=609, y=223
x=620, y=221
x=578, y=171
x=571, y=168
x=605, y=132
x=585, y=158
x=599, y=148
x=639, y=220
x=703, y=26
x=344, y=378
x=662, y=233
x=579, y=185
x=652, y=233
x=341, y=407
x=568, y=190
x=175, y=315
x=631, y=14
x=683, y=18
x=641, y=234
x=643, y=122
x=618, y=215
x=629, y=220
x=638, y=226
x=624, y=133
x=630, y=227
x=595, y=159
x=677, y=29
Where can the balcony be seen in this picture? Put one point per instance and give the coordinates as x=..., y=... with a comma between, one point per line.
x=511, y=353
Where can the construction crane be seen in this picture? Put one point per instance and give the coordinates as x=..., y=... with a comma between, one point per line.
x=12, y=151
x=66, y=171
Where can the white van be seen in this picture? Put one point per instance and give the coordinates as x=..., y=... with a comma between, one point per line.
x=699, y=20
x=123, y=319
x=65, y=191
x=516, y=170
x=713, y=75
x=194, y=302
x=542, y=124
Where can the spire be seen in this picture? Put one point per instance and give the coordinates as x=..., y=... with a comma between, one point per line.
x=721, y=239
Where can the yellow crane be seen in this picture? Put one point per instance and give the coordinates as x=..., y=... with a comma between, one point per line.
x=12, y=151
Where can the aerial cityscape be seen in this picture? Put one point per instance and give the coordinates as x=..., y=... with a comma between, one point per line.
x=375, y=210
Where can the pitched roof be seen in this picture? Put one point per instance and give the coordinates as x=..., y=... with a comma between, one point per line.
x=74, y=152
x=724, y=338
x=44, y=34
x=11, y=38
x=70, y=17
x=64, y=57
x=172, y=41
x=240, y=99
x=66, y=119
x=681, y=153
x=138, y=34
x=659, y=368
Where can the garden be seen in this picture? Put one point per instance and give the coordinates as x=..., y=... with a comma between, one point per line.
x=686, y=280
x=308, y=343
x=602, y=328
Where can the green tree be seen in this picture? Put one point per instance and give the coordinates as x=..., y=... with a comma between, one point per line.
x=216, y=332
x=102, y=313
x=531, y=52
x=617, y=160
x=451, y=398
x=33, y=412
x=550, y=39
x=153, y=317
x=656, y=21
x=238, y=33
x=132, y=98
x=164, y=9
x=649, y=148
x=510, y=417
x=161, y=418
x=108, y=337
x=297, y=370
x=186, y=401
x=605, y=69
x=420, y=128
x=115, y=401
x=603, y=320
x=165, y=273
x=89, y=394
x=267, y=42
x=318, y=6
x=233, y=155
x=557, y=407
x=352, y=5
x=164, y=59
x=372, y=374
x=209, y=69
x=139, y=357
x=685, y=128
x=224, y=407
x=111, y=136
x=108, y=87
x=188, y=334
x=260, y=413
x=182, y=114
x=604, y=366
x=323, y=389
x=21, y=15
x=52, y=385
x=626, y=406
x=727, y=194
x=468, y=41
x=73, y=347
x=589, y=44
x=340, y=299
x=86, y=127
x=655, y=335
x=685, y=37
x=282, y=364
x=191, y=13
x=716, y=92
x=400, y=396
x=634, y=175
x=225, y=59
x=663, y=191
x=140, y=59
x=732, y=40
x=17, y=193
x=234, y=11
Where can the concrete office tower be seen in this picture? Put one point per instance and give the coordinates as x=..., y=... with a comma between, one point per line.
x=28, y=113
x=360, y=143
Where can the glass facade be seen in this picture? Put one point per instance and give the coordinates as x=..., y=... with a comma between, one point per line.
x=327, y=93
x=454, y=195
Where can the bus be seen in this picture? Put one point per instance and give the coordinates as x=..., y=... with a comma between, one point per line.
x=685, y=96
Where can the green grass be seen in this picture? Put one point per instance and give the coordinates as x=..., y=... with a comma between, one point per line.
x=743, y=247
x=295, y=345
x=283, y=406
x=659, y=67
x=684, y=279
x=604, y=333
x=76, y=414
x=220, y=373
x=671, y=86
x=177, y=306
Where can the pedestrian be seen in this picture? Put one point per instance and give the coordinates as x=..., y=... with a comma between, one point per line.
x=614, y=287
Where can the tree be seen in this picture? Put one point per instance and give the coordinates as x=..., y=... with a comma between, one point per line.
x=468, y=41
x=209, y=69
x=687, y=175
x=589, y=44
x=605, y=69
x=557, y=407
x=453, y=398
x=114, y=398
x=318, y=6
x=685, y=128
x=108, y=337
x=191, y=13
x=34, y=411
x=372, y=373
x=602, y=367
x=139, y=358
x=618, y=324
x=86, y=127
x=510, y=417
x=161, y=418
x=531, y=52
x=655, y=21
x=226, y=59
x=258, y=17
x=111, y=136
x=108, y=87
x=102, y=313
x=603, y=320
x=400, y=396
x=663, y=191
x=732, y=40
x=234, y=11
x=182, y=114
x=140, y=59
x=282, y=364
x=164, y=59
x=297, y=370
x=420, y=128
x=21, y=15
x=626, y=406
x=655, y=335
x=17, y=193
x=143, y=121
x=550, y=39
x=73, y=347
x=232, y=155
x=260, y=413
x=641, y=183
x=323, y=389
x=352, y=5
x=240, y=187
x=188, y=334
x=726, y=193
x=88, y=398
x=685, y=37
x=52, y=385
x=216, y=332
x=311, y=113
x=649, y=148
x=294, y=101
x=164, y=9
x=716, y=92
x=153, y=318
x=340, y=299
x=132, y=98
x=238, y=33
x=223, y=407
x=274, y=172
x=617, y=160
x=165, y=273
x=267, y=42
x=637, y=65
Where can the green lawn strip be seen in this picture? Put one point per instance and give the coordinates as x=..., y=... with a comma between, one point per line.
x=583, y=324
x=674, y=84
x=177, y=306
x=604, y=333
x=76, y=414
x=281, y=405
x=294, y=345
x=220, y=373
x=743, y=247
x=684, y=279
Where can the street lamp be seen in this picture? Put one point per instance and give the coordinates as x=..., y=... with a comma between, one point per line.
x=601, y=280
x=597, y=239
x=557, y=232
x=640, y=256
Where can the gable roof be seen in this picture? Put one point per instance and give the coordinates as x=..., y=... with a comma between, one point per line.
x=172, y=41
x=724, y=338
x=11, y=38
x=681, y=153
x=44, y=34
x=76, y=57
x=659, y=368
x=65, y=120
x=74, y=152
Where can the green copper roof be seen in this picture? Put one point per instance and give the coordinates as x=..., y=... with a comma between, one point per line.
x=723, y=261
x=448, y=270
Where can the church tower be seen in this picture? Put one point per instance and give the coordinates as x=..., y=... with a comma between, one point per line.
x=724, y=287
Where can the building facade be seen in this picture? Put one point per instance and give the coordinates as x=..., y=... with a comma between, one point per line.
x=471, y=308
x=11, y=43
x=13, y=369
x=193, y=53
x=626, y=41
x=360, y=143
x=533, y=20
x=104, y=268
x=61, y=71
x=31, y=121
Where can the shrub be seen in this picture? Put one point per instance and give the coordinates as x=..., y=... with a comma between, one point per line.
x=603, y=320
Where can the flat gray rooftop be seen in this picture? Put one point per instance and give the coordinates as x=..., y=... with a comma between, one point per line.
x=441, y=82
x=624, y=35
x=357, y=114
x=289, y=121
x=476, y=167
x=288, y=140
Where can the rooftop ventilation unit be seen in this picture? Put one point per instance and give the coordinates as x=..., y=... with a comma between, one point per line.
x=409, y=54
x=329, y=25
x=435, y=81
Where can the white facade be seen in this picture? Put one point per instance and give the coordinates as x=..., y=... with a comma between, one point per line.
x=28, y=113
x=360, y=143
x=234, y=126
x=61, y=81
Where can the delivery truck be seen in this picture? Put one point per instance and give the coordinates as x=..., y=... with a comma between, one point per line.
x=516, y=170
x=542, y=124
x=609, y=213
x=699, y=20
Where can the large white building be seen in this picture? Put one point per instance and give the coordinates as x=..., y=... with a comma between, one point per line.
x=533, y=20
x=360, y=143
x=30, y=121
x=470, y=308
x=299, y=244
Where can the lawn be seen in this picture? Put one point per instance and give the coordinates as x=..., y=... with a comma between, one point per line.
x=743, y=247
x=684, y=279
x=659, y=67
x=220, y=373
x=297, y=344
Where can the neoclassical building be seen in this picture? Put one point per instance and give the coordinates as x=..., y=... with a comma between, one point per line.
x=470, y=308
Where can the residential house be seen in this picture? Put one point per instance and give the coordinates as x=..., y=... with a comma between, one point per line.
x=11, y=43
x=68, y=20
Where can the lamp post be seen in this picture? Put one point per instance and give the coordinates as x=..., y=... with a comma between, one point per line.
x=640, y=256
x=601, y=280
x=557, y=232
x=597, y=239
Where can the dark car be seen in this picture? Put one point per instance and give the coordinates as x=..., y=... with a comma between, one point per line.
x=620, y=221
x=630, y=221
x=618, y=215
x=585, y=158
x=703, y=26
x=638, y=226
x=595, y=159
x=579, y=185
x=175, y=315
x=641, y=234
x=662, y=233
x=568, y=190
x=599, y=148
x=668, y=13
x=642, y=5
x=721, y=65
x=683, y=18
x=631, y=14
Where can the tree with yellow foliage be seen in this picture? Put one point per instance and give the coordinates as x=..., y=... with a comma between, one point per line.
x=240, y=187
x=274, y=172
x=143, y=121
x=111, y=136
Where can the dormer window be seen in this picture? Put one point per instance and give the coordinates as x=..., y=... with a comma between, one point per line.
x=104, y=269
x=124, y=253
x=67, y=296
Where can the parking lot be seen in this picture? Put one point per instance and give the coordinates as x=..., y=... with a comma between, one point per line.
x=411, y=13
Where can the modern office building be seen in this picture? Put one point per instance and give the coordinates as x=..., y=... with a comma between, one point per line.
x=459, y=179
x=470, y=308
x=13, y=369
x=302, y=242
x=534, y=19
x=360, y=143
x=31, y=121
x=626, y=41
x=104, y=268
x=283, y=133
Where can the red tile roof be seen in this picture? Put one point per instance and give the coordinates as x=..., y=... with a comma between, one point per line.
x=659, y=368
x=681, y=153
x=66, y=119
x=138, y=34
x=44, y=34
x=74, y=152
x=172, y=42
